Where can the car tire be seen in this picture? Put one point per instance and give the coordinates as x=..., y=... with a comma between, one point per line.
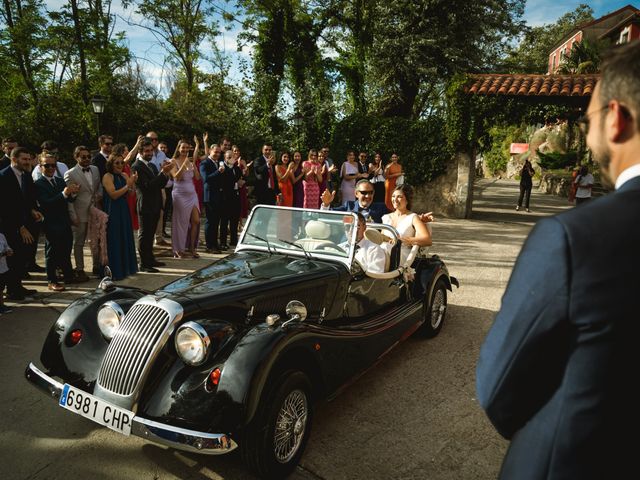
x=435, y=311
x=274, y=442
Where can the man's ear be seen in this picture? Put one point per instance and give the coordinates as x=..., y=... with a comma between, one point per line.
x=618, y=121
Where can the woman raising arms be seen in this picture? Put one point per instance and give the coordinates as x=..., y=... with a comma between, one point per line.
x=185, y=222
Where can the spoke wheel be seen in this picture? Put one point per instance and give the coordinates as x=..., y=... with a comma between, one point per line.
x=274, y=441
x=434, y=312
x=290, y=426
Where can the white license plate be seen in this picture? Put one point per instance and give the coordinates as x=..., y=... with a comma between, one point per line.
x=96, y=409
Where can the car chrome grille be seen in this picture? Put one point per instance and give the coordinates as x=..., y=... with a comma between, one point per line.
x=131, y=348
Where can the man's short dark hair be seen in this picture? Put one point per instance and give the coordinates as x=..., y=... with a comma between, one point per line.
x=620, y=78
x=78, y=149
x=102, y=139
x=49, y=145
x=16, y=152
x=361, y=219
x=146, y=143
x=6, y=140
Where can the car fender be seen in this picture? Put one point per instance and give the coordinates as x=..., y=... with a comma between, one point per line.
x=263, y=354
x=427, y=275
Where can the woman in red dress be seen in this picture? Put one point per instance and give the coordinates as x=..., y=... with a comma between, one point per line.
x=284, y=171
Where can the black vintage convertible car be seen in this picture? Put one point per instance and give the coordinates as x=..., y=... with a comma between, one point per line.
x=236, y=354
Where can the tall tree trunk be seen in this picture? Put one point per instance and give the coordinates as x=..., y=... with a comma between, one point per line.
x=84, y=83
x=22, y=55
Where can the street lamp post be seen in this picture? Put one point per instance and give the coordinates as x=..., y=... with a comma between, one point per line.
x=297, y=122
x=97, y=102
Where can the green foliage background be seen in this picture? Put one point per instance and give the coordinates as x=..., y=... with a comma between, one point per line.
x=383, y=75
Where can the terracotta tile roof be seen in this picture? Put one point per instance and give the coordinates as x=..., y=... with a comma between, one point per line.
x=532, y=85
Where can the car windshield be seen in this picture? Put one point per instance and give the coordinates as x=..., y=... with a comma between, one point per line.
x=311, y=233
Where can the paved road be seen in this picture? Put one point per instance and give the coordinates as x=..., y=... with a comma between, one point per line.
x=414, y=416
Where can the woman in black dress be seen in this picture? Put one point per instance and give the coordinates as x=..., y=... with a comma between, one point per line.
x=526, y=183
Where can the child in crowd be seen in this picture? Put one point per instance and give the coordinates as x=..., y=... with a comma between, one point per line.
x=5, y=251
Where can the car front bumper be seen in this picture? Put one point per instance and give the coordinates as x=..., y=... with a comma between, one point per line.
x=174, y=437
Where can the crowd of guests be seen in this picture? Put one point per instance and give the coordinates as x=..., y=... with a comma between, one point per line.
x=120, y=195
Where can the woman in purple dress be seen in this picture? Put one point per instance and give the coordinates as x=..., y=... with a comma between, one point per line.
x=298, y=173
x=185, y=220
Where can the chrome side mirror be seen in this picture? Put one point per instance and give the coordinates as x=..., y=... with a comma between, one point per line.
x=296, y=311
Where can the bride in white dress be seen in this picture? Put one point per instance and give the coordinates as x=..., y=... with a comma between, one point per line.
x=411, y=229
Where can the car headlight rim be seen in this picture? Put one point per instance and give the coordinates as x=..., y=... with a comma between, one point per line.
x=109, y=318
x=192, y=343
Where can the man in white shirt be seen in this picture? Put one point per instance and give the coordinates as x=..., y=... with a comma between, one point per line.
x=584, y=182
x=369, y=255
x=105, y=142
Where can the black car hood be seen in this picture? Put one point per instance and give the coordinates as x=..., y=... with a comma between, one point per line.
x=251, y=271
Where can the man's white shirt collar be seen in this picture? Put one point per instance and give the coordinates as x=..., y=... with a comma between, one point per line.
x=632, y=172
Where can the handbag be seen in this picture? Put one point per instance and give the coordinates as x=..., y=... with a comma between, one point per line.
x=400, y=180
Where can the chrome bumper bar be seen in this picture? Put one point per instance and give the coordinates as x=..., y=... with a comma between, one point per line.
x=174, y=437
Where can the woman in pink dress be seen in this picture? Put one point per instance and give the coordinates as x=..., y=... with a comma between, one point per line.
x=311, y=180
x=185, y=221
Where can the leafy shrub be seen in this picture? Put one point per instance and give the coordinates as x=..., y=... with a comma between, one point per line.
x=420, y=144
x=500, y=139
x=556, y=160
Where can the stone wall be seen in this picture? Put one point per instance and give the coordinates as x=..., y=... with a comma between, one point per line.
x=555, y=184
x=449, y=195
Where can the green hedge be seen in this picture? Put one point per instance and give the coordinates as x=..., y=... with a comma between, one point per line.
x=420, y=144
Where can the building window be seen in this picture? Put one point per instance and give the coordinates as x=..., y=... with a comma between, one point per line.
x=624, y=35
x=553, y=63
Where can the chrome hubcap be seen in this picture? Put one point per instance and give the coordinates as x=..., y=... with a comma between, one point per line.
x=290, y=426
x=438, y=307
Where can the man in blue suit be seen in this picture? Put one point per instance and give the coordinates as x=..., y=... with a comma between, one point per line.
x=211, y=171
x=54, y=197
x=556, y=370
x=372, y=212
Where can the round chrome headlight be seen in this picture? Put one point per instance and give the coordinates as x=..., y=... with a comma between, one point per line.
x=192, y=343
x=109, y=317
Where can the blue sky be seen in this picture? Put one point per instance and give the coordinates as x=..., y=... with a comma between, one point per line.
x=539, y=12
x=151, y=56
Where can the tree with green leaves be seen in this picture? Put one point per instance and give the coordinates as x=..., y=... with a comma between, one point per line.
x=584, y=57
x=531, y=55
x=180, y=27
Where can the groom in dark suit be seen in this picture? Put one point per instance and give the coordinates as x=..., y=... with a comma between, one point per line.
x=54, y=197
x=149, y=192
x=372, y=212
x=266, y=186
x=557, y=369
x=17, y=215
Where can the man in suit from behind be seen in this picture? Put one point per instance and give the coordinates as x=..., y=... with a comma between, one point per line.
x=557, y=368
x=266, y=187
x=211, y=172
x=8, y=144
x=17, y=213
x=105, y=142
x=53, y=197
x=87, y=177
x=149, y=191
